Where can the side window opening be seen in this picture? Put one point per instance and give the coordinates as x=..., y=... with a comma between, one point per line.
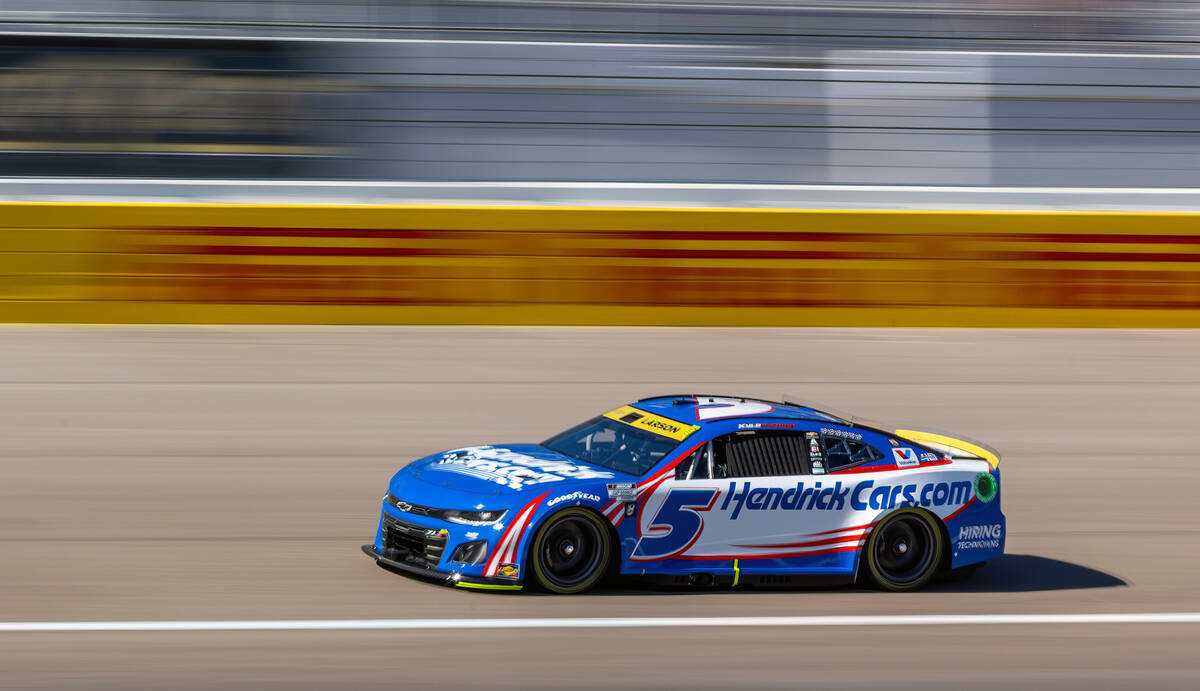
x=759, y=454
x=702, y=468
x=697, y=466
x=685, y=466
x=841, y=452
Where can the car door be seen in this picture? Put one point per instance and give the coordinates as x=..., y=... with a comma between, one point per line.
x=738, y=488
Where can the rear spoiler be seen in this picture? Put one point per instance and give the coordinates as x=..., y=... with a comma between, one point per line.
x=954, y=444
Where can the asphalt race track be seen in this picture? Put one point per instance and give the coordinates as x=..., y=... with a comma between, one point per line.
x=204, y=473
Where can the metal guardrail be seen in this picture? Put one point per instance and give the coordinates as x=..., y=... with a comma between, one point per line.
x=601, y=194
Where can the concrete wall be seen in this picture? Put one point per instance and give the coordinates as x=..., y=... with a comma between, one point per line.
x=461, y=265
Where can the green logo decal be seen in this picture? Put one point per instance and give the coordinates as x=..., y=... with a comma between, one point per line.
x=985, y=487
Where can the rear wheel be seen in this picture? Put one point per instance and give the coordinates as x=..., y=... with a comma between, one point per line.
x=904, y=551
x=570, y=552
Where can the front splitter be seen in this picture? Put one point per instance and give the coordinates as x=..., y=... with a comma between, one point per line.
x=452, y=579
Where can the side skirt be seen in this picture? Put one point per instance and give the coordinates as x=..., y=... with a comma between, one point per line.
x=744, y=580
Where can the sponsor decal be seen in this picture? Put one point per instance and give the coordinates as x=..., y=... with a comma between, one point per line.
x=650, y=422
x=986, y=487
x=846, y=434
x=905, y=458
x=511, y=469
x=979, y=536
x=836, y=497
x=679, y=520
x=622, y=491
x=817, y=468
x=574, y=496
x=508, y=570
x=927, y=457
x=766, y=425
x=893, y=442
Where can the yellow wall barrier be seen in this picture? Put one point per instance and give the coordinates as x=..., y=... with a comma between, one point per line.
x=178, y=263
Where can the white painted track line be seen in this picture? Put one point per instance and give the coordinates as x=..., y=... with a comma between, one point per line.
x=598, y=623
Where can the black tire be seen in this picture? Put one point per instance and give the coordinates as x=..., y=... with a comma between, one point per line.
x=570, y=552
x=904, y=551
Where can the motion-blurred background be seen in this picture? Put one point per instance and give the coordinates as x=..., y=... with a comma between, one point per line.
x=1063, y=110
x=712, y=163
x=892, y=92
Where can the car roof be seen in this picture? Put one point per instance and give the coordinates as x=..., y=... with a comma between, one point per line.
x=688, y=408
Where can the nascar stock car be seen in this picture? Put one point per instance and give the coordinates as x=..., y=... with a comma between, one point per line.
x=698, y=490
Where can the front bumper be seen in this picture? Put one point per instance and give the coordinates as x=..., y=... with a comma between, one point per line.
x=451, y=578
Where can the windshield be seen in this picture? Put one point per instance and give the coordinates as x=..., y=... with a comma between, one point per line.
x=613, y=445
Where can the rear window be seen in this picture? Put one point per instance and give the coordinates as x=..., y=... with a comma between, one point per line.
x=841, y=452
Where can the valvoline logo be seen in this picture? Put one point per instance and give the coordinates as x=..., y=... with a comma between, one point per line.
x=905, y=458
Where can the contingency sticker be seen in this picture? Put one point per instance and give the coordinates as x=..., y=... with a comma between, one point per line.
x=905, y=457
x=814, y=454
x=650, y=422
x=622, y=491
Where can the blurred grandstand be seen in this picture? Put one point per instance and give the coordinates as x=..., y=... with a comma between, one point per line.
x=442, y=99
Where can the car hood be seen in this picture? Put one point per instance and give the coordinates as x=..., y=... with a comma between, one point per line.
x=504, y=470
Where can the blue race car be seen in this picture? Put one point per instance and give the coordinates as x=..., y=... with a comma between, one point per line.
x=698, y=490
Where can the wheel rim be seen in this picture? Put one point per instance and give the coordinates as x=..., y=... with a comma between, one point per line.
x=570, y=551
x=904, y=549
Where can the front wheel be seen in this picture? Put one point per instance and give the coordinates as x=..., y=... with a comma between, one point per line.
x=570, y=552
x=904, y=551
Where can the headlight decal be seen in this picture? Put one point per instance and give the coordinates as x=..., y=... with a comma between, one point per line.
x=462, y=517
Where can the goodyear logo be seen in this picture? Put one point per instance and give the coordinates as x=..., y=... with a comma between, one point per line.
x=652, y=423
